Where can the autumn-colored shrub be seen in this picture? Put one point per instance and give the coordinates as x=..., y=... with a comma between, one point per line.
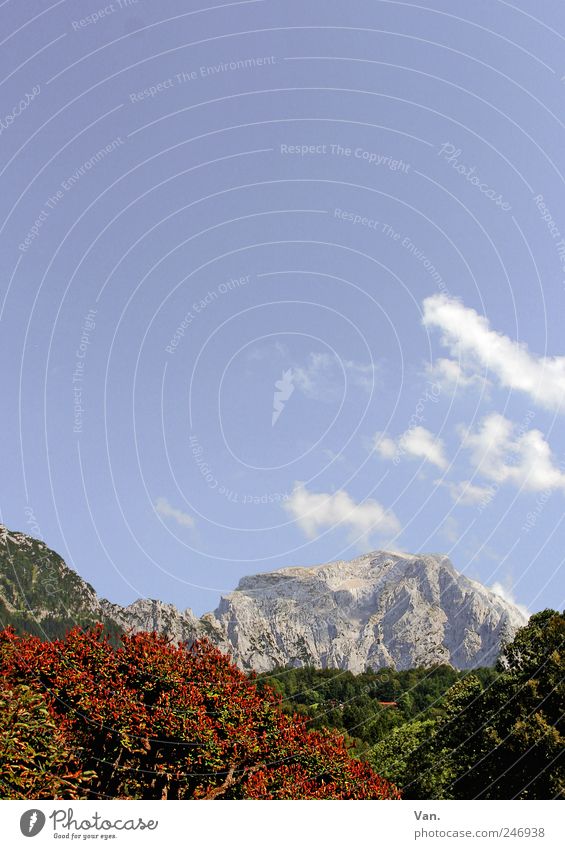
x=151, y=720
x=36, y=757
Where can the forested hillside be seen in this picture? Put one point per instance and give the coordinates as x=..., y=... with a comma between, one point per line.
x=367, y=706
x=442, y=734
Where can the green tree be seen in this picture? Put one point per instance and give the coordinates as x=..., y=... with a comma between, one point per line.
x=522, y=732
x=493, y=736
x=496, y=737
x=409, y=754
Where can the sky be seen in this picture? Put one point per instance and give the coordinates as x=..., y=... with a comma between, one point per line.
x=283, y=283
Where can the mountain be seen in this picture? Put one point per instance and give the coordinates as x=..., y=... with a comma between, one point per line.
x=39, y=594
x=381, y=609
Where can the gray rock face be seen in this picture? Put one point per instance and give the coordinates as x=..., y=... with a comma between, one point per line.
x=382, y=609
x=152, y=615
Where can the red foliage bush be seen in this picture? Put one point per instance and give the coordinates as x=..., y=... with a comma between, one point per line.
x=151, y=720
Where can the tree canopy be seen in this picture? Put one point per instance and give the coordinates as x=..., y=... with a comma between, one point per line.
x=504, y=740
x=151, y=720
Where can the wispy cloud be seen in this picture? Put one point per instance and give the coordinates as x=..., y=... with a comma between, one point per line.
x=164, y=509
x=470, y=339
x=451, y=375
x=321, y=377
x=507, y=594
x=315, y=511
x=417, y=442
x=467, y=493
x=363, y=375
x=333, y=456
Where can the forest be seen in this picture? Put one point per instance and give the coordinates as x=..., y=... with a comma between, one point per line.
x=82, y=718
x=365, y=707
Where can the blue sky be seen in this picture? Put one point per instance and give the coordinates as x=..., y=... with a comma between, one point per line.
x=283, y=283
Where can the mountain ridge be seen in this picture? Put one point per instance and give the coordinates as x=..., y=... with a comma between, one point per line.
x=380, y=609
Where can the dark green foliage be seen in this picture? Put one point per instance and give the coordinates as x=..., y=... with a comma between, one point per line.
x=39, y=594
x=406, y=754
x=519, y=725
x=502, y=739
x=331, y=698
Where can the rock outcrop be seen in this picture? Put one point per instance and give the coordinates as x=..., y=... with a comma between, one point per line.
x=381, y=609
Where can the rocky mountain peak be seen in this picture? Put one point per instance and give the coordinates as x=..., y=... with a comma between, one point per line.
x=384, y=608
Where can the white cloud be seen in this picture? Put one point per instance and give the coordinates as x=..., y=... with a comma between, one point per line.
x=363, y=375
x=313, y=378
x=416, y=442
x=470, y=339
x=333, y=456
x=467, y=493
x=321, y=378
x=419, y=442
x=450, y=374
x=314, y=511
x=163, y=508
x=504, y=453
x=266, y=352
x=385, y=446
x=507, y=594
